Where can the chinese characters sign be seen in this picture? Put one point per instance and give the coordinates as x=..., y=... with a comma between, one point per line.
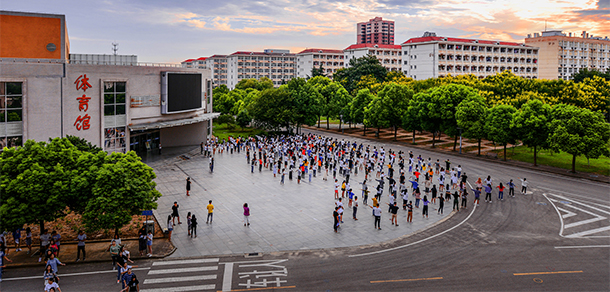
x=82, y=122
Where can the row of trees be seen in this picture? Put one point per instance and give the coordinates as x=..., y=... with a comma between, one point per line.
x=41, y=182
x=503, y=108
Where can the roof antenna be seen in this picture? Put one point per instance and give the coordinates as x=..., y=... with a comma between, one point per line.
x=545, y=25
x=115, y=47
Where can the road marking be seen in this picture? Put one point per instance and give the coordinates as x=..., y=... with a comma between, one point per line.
x=547, y=273
x=419, y=241
x=587, y=232
x=185, y=262
x=581, y=196
x=73, y=274
x=183, y=270
x=568, y=213
x=264, y=288
x=407, y=280
x=181, y=289
x=582, y=246
x=227, y=278
x=578, y=223
x=179, y=279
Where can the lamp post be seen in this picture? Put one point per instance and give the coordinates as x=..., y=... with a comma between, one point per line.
x=340, y=122
x=460, y=139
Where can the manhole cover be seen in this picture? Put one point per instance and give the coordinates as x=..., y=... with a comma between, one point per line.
x=254, y=254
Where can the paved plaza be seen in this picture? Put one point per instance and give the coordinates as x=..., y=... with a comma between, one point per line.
x=283, y=217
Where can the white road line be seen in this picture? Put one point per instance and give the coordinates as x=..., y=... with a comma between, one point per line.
x=180, y=279
x=581, y=196
x=419, y=241
x=181, y=289
x=185, y=262
x=587, y=232
x=73, y=274
x=558, y=213
x=568, y=213
x=183, y=270
x=598, y=218
x=581, y=246
x=227, y=278
x=586, y=204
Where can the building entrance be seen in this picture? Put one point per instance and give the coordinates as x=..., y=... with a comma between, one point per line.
x=145, y=143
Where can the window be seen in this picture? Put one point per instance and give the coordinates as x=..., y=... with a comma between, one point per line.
x=11, y=100
x=114, y=116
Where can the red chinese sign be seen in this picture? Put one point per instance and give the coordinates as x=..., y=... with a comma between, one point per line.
x=82, y=122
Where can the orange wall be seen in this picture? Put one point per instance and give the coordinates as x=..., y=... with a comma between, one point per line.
x=27, y=37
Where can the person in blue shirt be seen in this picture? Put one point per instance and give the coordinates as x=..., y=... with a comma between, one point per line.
x=511, y=188
x=53, y=262
x=488, y=193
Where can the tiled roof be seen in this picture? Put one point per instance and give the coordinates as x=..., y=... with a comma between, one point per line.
x=380, y=46
x=201, y=59
x=261, y=53
x=187, y=60
x=327, y=51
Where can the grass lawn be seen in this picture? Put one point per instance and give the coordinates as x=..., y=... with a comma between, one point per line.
x=330, y=121
x=222, y=132
x=562, y=160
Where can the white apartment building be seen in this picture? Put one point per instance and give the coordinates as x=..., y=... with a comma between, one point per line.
x=218, y=64
x=277, y=65
x=330, y=60
x=389, y=55
x=562, y=55
x=431, y=56
x=199, y=63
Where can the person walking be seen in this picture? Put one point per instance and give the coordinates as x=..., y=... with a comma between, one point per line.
x=175, y=213
x=246, y=215
x=170, y=227
x=210, y=217
x=193, y=226
x=114, y=248
x=188, y=186
x=53, y=262
x=80, y=246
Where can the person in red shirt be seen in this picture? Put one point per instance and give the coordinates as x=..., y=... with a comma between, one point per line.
x=501, y=192
x=416, y=173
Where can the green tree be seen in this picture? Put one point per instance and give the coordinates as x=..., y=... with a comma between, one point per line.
x=123, y=187
x=83, y=145
x=497, y=125
x=531, y=125
x=334, y=99
x=578, y=131
x=357, y=105
x=272, y=108
x=394, y=103
x=411, y=120
x=442, y=107
x=319, y=82
x=372, y=114
x=363, y=66
x=585, y=73
x=318, y=71
x=304, y=102
x=243, y=119
x=221, y=89
x=471, y=114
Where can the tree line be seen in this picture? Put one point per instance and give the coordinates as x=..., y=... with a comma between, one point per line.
x=41, y=182
x=562, y=115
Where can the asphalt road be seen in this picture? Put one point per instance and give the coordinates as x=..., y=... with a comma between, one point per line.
x=557, y=238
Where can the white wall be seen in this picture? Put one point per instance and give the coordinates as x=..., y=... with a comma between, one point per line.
x=421, y=61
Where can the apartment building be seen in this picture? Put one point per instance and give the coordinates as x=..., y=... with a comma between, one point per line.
x=563, y=54
x=432, y=56
x=330, y=60
x=389, y=55
x=277, y=65
x=218, y=64
x=199, y=63
x=375, y=31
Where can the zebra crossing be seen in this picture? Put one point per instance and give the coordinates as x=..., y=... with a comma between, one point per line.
x=182, y=275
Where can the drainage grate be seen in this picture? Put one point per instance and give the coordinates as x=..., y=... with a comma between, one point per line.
x=184, y=157
x=253, y=255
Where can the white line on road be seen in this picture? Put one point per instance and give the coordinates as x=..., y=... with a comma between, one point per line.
x=598, y=218
x=568, y=213
x=587, y=232
x=185, y=262
x=227, y=278
x=180, y=279
x=181, y=289
x=183, y=270
x=419, y=241
x=582, y=246
x=73, y=274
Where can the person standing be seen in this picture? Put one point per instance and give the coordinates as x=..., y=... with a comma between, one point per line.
x=377, y=214
x=394, y=212
x=193, y=226
x=355, y=207
x=477, y=195
x=114, y=249
x=57, y=238
x=283, y=175
x=500, y=192
x=2, y=259
x=441, y=205
x=188, y=223
x=336, y=219
x=410, y=212
x=511, y=188
x=149, y=242
x=53, y=262
x=44, y=243
x=425, y=207
x=188, y=186
x=159, y=148
x=170, y=227
x=175, y=213
x=81, y=238
x=210, y=208
x=28, y=239
x=524, y=186
x=456, y=201
x=488, y=193
x=246, y=215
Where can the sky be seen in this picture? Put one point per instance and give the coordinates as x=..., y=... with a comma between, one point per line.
x=172, y=31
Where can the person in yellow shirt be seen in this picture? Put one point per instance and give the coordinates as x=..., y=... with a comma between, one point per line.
x=210, y=208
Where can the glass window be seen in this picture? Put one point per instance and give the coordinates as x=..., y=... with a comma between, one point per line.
x=114, y=139
x=11, y=103
x=114, y=105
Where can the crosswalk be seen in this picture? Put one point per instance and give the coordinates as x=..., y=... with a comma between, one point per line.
x=580, y=218
x=182, y=275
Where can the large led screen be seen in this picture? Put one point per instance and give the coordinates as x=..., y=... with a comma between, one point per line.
x=180, y=92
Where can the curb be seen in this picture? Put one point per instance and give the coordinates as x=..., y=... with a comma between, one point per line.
x=544, y=168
